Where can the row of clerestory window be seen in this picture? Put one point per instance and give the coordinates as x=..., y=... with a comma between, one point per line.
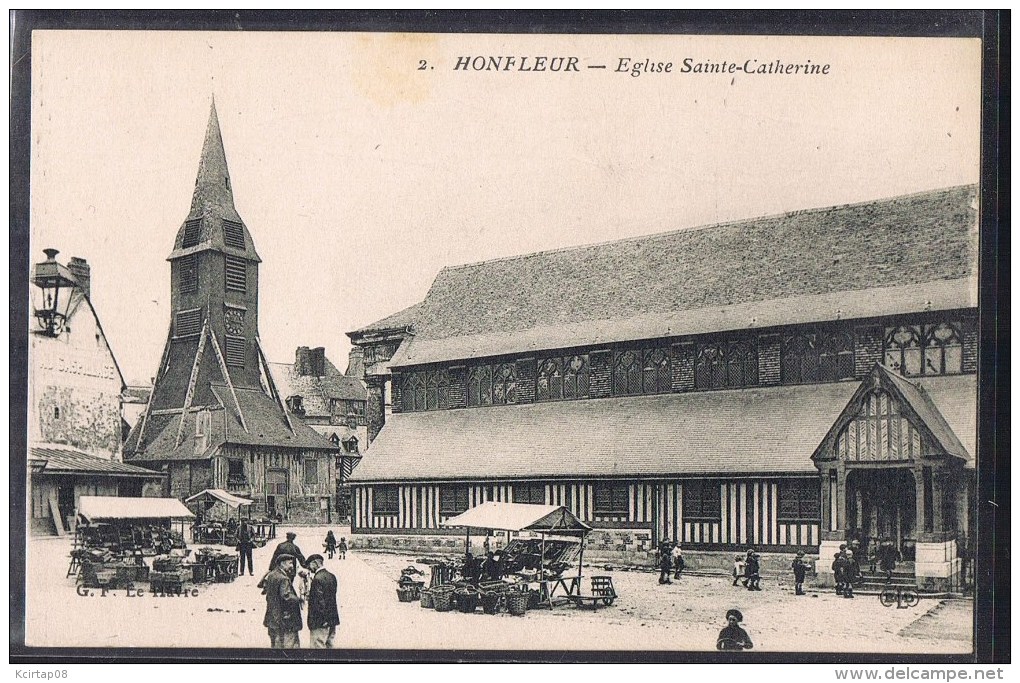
x=806, y=356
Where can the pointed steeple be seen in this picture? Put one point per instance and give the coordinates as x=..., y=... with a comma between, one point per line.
x=212, y=204
x=213, y=195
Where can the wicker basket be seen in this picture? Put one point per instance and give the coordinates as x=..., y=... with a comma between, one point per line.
x=407, y=594
x=490, y=602
x=517, y=603
x=442, y=599
x=467, y=599
x=426, y=599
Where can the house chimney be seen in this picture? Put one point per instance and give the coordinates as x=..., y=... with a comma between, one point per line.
x=317, y=361
x=82, y=273
x=356, y=363
x=301, y=360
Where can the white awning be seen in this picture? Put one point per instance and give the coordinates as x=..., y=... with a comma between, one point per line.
x=520, y=517
x=220, y=496
x=99, y=508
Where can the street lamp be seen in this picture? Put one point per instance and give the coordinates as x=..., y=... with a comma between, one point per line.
x=52, y=296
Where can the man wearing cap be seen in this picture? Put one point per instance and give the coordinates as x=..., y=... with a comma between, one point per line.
x=732, y=637
x=851, y=570
x=283, y=606
x=323, y=616
x=290, y=548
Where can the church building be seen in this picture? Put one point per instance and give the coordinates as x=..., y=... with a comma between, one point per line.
x=216, y=418
x=784, y=383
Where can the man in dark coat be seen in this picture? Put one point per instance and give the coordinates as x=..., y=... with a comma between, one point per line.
x=839, y=572
x=851, y=573
x=323, y=616
x=245, y=544
x=288, y=547
x=283, y=606
x=665, y=561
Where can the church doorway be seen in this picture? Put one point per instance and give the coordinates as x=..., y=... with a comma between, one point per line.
x=881, y=503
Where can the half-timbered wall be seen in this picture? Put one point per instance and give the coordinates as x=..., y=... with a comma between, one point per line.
x=749, y=510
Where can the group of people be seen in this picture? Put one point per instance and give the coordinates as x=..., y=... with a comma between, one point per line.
x=318, y=589
x=333, y=548
x=671, y=559
x=747, y=570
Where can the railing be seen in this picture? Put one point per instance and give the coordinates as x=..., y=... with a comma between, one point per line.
x=237, y=483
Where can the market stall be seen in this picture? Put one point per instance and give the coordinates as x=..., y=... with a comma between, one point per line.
x=222, y=528
x=529, y=568
x=114, y=535
x=123, y=542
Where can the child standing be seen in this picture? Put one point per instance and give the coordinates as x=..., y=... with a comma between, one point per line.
x=738, y=568
x=342, y=548
x=753, y=575
x=799, y=571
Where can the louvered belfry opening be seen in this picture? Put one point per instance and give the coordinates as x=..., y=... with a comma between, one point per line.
x=236, y=273
x=233, y=234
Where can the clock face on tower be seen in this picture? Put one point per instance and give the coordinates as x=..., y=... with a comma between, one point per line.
x=233, y=321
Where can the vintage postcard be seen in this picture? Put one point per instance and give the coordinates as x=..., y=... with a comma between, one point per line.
x=389, y=341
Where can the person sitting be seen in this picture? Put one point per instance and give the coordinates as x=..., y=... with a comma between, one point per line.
x=491, y=570
x=732, y=637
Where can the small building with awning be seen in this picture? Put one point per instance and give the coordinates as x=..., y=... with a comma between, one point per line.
x=61, y=475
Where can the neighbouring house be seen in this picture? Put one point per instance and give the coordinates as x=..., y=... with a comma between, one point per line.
x=788, y=383
x=372, y=348
x=216, y=418
x=75, y=396
x=330, y=403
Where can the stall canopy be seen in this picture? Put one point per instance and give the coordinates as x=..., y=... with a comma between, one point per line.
x=554, y=519
x=104, y=508
x=219, y=496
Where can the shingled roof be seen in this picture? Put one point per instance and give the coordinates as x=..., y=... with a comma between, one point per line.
x=709, y=432
x=316, y=392
x=699, y=433
x=59, y=459
x=398, y=321
x=917, y=251
x=265, y=422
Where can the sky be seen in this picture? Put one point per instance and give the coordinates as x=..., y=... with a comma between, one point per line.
x=361, y=174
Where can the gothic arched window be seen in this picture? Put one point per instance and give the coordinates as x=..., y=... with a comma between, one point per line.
x=412, y=395
x=550, y=380
x=480, y=386
x=836, y=357
x=657, y=379
x=800, y=360
x=576, y=376
x=710, y=368
x=431, y=390
x=943, y=353
x=741, y=365
x=627, y=373
x=445, y=383
x=504, y=383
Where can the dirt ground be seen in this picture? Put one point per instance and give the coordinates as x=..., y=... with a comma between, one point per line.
x=684, y=616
